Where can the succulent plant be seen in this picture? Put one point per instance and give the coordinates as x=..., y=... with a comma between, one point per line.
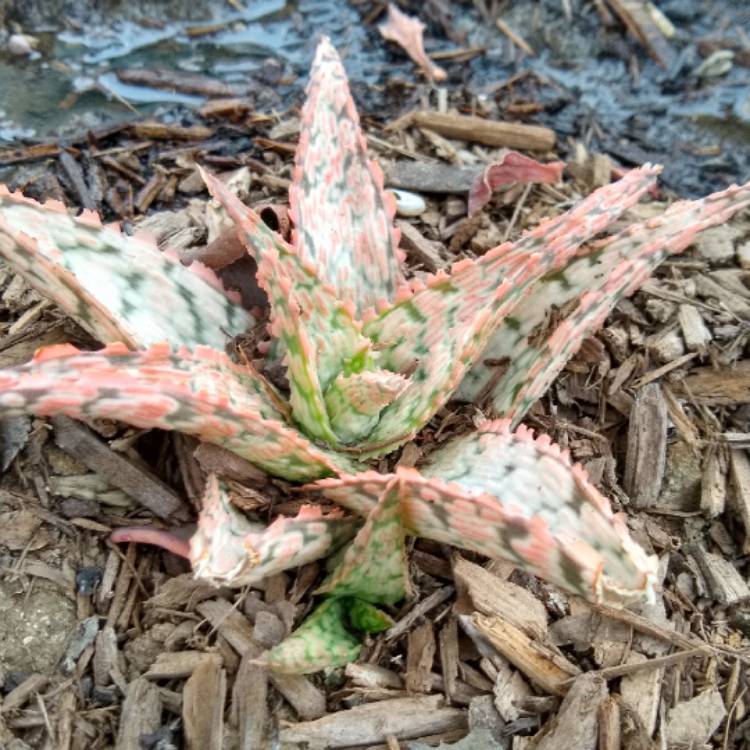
x=370, y=359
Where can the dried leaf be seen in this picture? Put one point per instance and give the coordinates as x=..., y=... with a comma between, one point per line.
x=512, y=168
x=407, y=32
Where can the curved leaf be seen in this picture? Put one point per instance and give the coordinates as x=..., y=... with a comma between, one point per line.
x=319, y=333
x=118, y=288
x=374, y=567
x=437, y=330
x=355, y=401
x=598, y=280
x=228, y=549
x=322, y=641
x=504, y=494
x=199, y=393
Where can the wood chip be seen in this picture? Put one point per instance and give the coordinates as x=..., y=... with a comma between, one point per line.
x=21, y=693
x=740, y=475
x=636, y=16
x=419, y=247
x=430, y=177
x=576, y=724
x=724, y=583
x=509, y=690
x=106, y=655
x=372, y=676
x=478, y=130
x=28, y=153
x=161, y=131
x=539, y=663
x=694, y=331
x=141, y=714
x=203, y=706
x=77, y=181
x=250, y=704
x=176, y=80
x=172, y=665
x=692, y=722
x=421, y=608
x=402, y=718
x=495, y=596
x=230, y=623
x=641, y=690
x=268, y=630
x=448, y=639
x=647, y=447
x=610, y=734
x=420, y=653
x=78, y=440
x=305, y=698
x=713, y=387
x=645, y=626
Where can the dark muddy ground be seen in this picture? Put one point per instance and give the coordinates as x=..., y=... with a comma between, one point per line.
x=589, y=82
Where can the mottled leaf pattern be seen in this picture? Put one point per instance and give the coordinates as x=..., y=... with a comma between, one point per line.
x=200, y=393
x=322, y=641
x=362, y=387
x=355, y=401
x=367, y=618
x=504, y=494
x=438, y=329
x=598, y=280
x=374, y=567
x=319, y=333
x=342, y=217
x=227, y=548
x=118, y=288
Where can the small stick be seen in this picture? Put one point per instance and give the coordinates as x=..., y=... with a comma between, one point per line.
x=519, y=41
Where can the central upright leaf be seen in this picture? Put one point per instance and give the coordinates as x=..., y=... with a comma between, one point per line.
x=342, y=217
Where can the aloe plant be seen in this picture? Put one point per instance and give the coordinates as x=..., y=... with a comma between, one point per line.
x=370, y=359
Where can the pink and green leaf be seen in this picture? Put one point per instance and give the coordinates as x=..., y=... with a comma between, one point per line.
x=319, y=333
x=343, y=221
x=504, y=494
x=355, y=401
x=437, y=330
x=200, y=393
x=374, y=567
x=228, y=549
x=598, y=279
x=118, y=288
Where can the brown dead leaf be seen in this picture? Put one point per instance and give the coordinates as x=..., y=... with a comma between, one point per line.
x=512, y=167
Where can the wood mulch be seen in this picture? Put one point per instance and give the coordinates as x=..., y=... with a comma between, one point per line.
x=104, y=646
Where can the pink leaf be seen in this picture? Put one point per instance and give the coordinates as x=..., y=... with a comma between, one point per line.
x=512, y=167
x=407, y=32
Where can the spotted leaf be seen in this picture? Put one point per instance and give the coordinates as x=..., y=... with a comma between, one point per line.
x=319, y=332
x=504, y=494
x=343, y=220
x=533, y=351
x=199, y=393
x=437, y=330
x=355, y=401
x=322, y=641
x=374, y=566
x=228, y=549
x=118, y=288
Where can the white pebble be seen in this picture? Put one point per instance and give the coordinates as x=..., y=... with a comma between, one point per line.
x=409, y=204
x=20, y=45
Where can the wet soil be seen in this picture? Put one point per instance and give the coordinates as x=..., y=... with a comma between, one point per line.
x=589, y=82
